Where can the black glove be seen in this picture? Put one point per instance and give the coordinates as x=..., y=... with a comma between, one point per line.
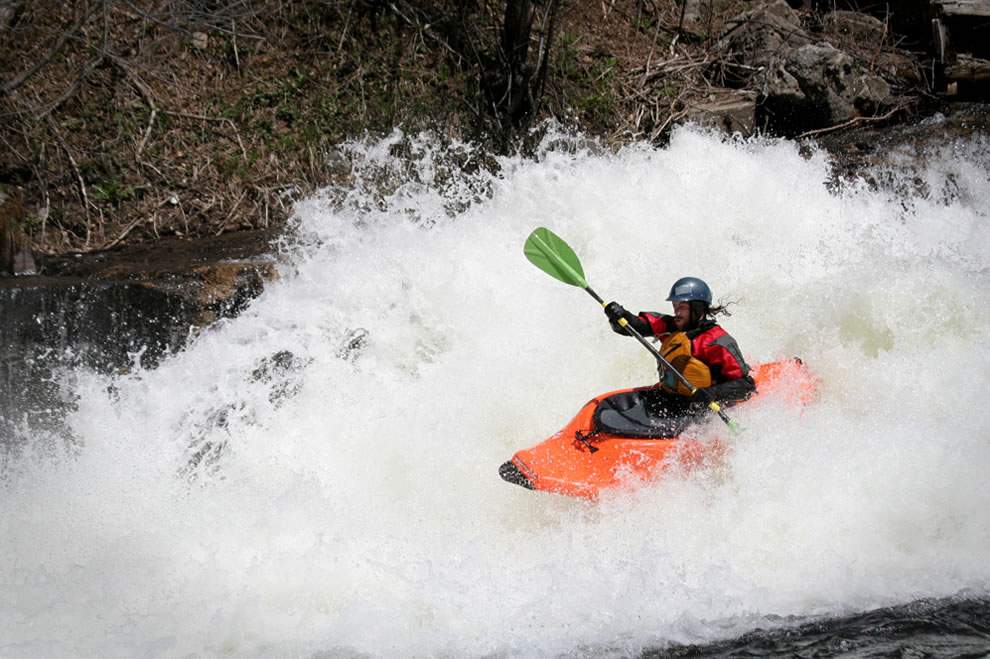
x=614, y=311
x=701, y=398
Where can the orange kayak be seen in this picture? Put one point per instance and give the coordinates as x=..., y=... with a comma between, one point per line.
x=615, y=441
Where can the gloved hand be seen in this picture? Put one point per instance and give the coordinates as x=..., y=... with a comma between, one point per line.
x=701, y=398
x=614, y=311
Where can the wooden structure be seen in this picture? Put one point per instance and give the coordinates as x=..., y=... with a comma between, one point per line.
x=965, y=7
x=959, y=30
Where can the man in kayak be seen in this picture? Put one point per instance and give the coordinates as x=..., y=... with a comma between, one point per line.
x=695, y=345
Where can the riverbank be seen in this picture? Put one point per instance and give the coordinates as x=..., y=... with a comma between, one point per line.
x=854, y=150
x=188, y=125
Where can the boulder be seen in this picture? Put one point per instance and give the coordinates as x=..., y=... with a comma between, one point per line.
x=830, y=84
x=752, y=42
x=872, y=41
x=803, y=82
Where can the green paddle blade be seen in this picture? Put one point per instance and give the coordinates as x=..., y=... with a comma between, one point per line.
x=548, y=252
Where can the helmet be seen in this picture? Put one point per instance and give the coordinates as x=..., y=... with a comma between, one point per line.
x=688, y=289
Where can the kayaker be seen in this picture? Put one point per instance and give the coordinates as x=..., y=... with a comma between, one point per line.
x=709, y=357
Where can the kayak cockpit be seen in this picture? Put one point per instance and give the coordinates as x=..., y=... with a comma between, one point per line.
x=642, y=413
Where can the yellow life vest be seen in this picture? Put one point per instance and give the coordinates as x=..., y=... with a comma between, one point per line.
x=676, y=349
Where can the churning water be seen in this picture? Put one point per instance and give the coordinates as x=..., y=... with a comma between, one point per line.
x=318, y=477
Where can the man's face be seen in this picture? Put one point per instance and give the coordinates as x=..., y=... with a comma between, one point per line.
x=682, y=316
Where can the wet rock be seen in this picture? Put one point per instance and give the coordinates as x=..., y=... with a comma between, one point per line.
x=111, y=311
x=279, y=375
x=280, y=372
x=865, y=151
x=107, y=307
x=353, y=344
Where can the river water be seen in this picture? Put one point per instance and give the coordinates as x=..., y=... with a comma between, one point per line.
x=318, y=477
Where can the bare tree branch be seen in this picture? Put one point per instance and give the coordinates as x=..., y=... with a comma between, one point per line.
x=75, y=168
x=146, y=95
x=11, y=85
x=219, y=19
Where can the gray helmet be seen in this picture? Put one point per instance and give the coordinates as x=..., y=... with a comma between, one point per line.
x=689, y=289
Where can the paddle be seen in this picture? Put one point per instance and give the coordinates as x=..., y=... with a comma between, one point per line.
x=548, y=252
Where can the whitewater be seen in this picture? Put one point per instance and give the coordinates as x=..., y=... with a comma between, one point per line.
x=318, y=476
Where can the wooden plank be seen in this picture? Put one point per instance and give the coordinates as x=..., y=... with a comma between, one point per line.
x=968, y=68
x=964, y=7
x=943, y=42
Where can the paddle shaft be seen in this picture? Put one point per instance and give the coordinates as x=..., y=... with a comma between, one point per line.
x=656, y=353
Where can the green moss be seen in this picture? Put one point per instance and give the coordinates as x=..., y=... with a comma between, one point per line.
x=111, y=192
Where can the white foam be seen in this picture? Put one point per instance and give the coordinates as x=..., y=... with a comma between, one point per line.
x=354, y=505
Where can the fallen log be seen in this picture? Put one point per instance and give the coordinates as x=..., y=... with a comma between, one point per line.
x=967, y=68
